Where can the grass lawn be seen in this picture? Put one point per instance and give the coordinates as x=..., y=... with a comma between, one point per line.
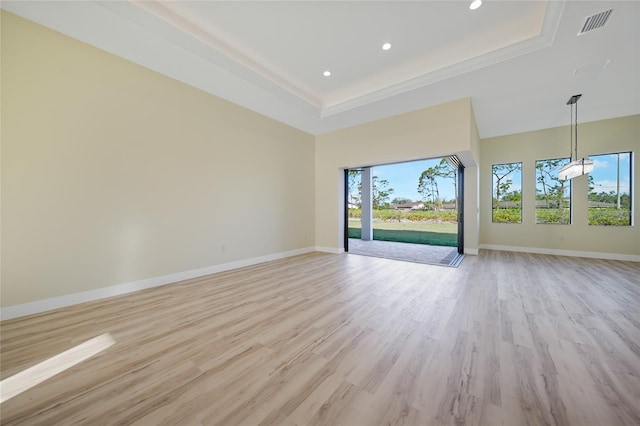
x=437, y=234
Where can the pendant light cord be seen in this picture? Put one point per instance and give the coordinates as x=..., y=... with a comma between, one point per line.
x=576, y=130
x=571, y=133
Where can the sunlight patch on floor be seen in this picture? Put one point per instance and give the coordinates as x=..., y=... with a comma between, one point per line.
x=44, y=370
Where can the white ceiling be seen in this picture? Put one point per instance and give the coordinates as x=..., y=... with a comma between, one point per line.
x=517, y=60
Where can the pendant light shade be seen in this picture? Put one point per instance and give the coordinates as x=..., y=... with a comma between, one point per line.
x=577, y=167
x=475, y=4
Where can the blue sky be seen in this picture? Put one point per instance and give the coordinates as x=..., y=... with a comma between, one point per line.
x=516, y=180
x=605, y=172
x=403, y=178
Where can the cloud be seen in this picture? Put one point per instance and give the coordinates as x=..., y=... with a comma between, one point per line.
x=600, y=164
x=610, y=185
x=610, y=160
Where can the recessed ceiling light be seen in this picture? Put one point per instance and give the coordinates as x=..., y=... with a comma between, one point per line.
x=475, y=4
x=386, y=46
x=327, y=73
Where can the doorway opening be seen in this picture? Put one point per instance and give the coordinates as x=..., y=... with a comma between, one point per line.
x=406, y=211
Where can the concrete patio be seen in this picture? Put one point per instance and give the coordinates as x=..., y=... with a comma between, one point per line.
x=420, y=253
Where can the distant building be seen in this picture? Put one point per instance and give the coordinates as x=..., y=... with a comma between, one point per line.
x=416, y=205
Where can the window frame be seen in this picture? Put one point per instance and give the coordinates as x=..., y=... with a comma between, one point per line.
x=496, y=200
x=538, y=221
x=631, y=198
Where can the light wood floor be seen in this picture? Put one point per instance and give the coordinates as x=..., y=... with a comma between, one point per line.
x=319, y=339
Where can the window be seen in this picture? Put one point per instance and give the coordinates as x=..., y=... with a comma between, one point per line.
x=553, y=195
x=507, y=193
x=610, y=189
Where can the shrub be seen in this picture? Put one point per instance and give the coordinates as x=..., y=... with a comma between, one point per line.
x=609, y=217
x=560, y=216
x=442, y=215
x=411, y=215
x=507, y=215
x=387, y=215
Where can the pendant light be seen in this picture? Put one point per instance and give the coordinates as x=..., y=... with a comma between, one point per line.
x=577, y=167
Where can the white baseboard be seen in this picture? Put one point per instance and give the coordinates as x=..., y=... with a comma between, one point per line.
x=330, y=250
x=39, y=306
x=557, y=252
x=472, y=252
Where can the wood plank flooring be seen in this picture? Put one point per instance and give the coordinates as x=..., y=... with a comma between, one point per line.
x=318, y=339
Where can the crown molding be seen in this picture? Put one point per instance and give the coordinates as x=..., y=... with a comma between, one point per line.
x=157, y=19
x=543, y=40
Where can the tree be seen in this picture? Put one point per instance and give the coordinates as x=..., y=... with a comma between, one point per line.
x=501, y=173
x=514, y=196
x=400, y=200
x=354, y=187
x=428, y=183
x=428, y=187
x=380, y=193
x=611, y=198
x=445, y=170
x=552, y=187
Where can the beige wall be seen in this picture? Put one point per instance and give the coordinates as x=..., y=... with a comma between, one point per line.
x=600, y=137
x=427, y=133
x=472, y=191
x=113, y=173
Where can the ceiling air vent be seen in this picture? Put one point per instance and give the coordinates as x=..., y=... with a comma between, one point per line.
x=596, y=21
